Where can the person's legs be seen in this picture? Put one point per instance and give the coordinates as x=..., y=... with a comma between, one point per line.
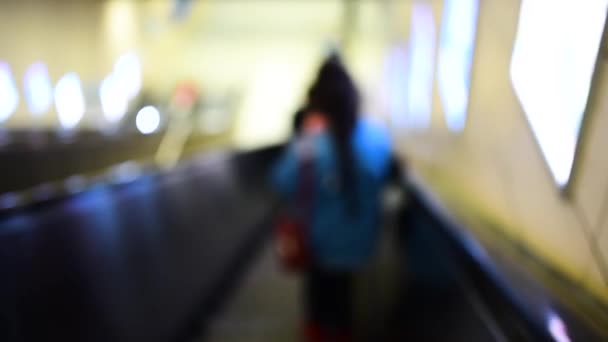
x=328, y=303
x=342, y=293
x=317, y=307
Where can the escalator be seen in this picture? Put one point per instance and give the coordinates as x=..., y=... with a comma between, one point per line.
x=185, y=255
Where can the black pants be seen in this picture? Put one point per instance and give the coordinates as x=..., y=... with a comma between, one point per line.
x=328, y=297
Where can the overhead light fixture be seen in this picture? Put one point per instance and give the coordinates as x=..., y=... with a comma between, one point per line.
x=551, y=71
x=420, y=68
x=9, y=96
x=147, y=120
x=69, y=101
x=38, y=89
x=455, y=59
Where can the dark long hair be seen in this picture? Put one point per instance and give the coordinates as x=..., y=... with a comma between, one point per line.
x=334, y=94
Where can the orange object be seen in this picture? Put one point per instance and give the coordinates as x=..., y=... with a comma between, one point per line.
x=292, y=229
x=315, y=122
x=292, y=244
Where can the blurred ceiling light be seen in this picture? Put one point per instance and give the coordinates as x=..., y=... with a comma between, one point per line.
x=455, y=58
x=114, y=102
x=38, y=89
x=147, y=120
x=420, y=68
x=127, y=71
x=551, y=71
x=120, y=22
x=69, y=100
x=120, y=86
x=9, y=95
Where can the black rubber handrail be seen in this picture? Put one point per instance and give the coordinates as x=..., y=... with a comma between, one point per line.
x=478, y=265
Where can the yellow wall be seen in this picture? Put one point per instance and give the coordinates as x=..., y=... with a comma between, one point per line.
x=84, y=37
x=497, y=165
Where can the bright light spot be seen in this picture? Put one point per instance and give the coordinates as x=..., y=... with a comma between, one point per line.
x=126, y=172
x=260, y=122
x=147, y=120
x=120, y=86
x=69, y=100
x=120, y=17
x=557, y=328
x=38, y=89
x=114, y=102
x=120, y=24
x=420, y=71
x=396, y=76
x=9, y=96
x=551, y=71
x=455, y=57
x=127, y=71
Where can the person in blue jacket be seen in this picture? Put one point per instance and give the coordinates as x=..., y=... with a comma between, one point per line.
x=351, y=158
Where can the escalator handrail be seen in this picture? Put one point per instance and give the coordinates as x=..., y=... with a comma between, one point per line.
x=472, y=253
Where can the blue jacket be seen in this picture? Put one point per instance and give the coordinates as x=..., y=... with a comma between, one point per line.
x=341, y=238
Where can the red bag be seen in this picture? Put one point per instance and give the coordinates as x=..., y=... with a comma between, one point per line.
x=291, y=230
x=292, y=244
